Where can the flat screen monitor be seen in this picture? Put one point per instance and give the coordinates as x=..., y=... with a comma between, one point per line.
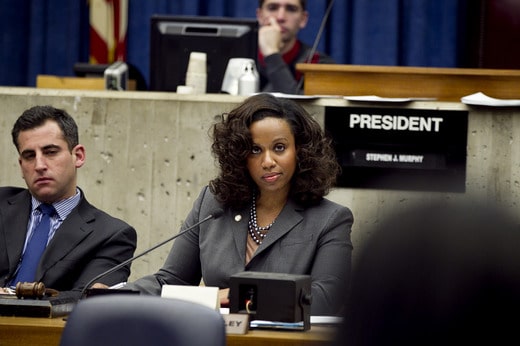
x=173, y=38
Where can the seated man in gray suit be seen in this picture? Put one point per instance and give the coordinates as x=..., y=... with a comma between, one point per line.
x=49, y=232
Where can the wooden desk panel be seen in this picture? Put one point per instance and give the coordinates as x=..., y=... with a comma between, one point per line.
x=80, y=83
x=444, y=84
x=25, y=331
x=317, y=335
x=30, y=331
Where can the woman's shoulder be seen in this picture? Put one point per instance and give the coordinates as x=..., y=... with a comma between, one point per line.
x=327, y=207
x=208, y=201
x=327, y=215
x=331, y=204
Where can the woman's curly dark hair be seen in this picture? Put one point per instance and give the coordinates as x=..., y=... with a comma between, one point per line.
x=317, y=167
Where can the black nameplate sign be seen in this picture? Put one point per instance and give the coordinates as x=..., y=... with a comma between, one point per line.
x=400, y=148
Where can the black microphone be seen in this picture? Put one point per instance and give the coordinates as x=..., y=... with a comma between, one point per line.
x=316, y=40
x=215, y=214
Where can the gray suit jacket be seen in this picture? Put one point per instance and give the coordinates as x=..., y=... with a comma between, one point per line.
x=313, y=241
x=88, y=242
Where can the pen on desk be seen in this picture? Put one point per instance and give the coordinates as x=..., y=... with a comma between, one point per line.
x=117, y=286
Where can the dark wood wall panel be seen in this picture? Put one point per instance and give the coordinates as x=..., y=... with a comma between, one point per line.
x=493, y=37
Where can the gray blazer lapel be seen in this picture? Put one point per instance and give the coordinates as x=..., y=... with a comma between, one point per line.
x=239, y=229
x=289, y=217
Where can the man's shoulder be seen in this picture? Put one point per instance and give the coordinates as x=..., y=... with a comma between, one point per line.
x=323, y=58
x=101, y=216
x=10, y=191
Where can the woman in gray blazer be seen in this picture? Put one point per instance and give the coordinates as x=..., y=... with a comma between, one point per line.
x=276, y=166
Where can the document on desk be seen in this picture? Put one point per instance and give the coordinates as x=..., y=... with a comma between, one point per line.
x=302, y=97
x=315, y=320
x=481, y=99
x=204, y=295
x=276, y=325
x=326, y=320
x=7, y=291
x=374, y=98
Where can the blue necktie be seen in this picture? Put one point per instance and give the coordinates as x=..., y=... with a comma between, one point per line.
x=35, y=247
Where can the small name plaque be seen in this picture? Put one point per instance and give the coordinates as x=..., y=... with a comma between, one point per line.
x=236, y=323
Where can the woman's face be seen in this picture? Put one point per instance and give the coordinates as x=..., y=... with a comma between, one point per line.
x=272, y=161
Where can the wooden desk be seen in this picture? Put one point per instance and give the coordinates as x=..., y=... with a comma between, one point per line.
x=25, y=331
x=444, y=84
x=30, y=331
x=79, y=83
x=317, y=335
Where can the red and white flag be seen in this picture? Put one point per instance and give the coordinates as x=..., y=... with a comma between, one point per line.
x=108, y=26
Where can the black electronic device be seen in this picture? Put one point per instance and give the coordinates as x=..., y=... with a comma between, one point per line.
x=116, y=76
x=84, y=69
x=276, y=297
x=173, y=38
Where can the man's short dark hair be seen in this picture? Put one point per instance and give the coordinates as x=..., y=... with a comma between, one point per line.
x=38, y=115
x=303, y=4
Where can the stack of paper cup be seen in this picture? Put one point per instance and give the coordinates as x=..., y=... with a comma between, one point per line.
x=184, y=89
x=196, y=74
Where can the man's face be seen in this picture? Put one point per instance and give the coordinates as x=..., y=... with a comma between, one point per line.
x=289, y=14
x=48, y=167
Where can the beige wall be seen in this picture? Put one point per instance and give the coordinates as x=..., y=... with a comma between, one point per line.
x=148, y=156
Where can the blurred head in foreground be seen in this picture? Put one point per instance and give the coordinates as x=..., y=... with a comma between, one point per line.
x=437, y=274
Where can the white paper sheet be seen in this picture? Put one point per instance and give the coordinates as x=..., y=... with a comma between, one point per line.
x=481, y=99
x=374, y=98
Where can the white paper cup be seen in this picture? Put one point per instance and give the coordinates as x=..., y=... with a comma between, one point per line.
x=197, y=81
x=184, y=89
x=197, y=63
